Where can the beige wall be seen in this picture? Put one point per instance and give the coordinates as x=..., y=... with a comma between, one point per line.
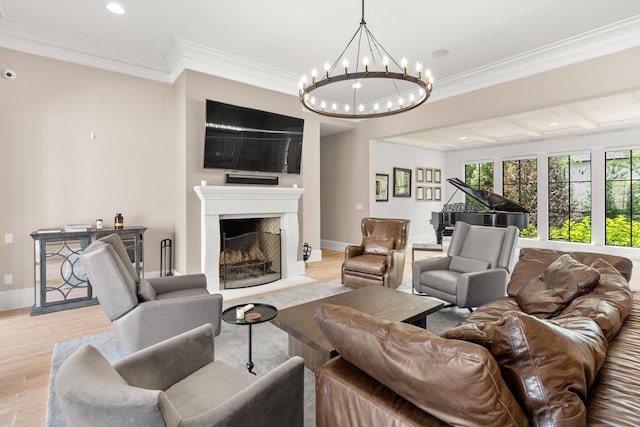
x=344, y=156
x=52, y=173
x=144, y=162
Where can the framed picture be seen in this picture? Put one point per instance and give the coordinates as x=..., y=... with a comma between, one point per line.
x=436, y=176
x=428, y=193
x=419, y=174
x=428, y=175
x=382, y=187
x=436, y=193
x=401, y=182
x=420, y=193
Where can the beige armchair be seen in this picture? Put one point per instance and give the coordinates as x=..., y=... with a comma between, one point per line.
x=476, y=269
x=147, y=311
x=174, y=383
x=379, y=259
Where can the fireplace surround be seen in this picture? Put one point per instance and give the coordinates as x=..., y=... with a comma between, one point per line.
x=238, y=202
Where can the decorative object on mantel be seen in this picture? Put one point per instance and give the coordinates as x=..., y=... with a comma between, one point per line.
x=401, y=182
x=251, y=179
x=382, y=86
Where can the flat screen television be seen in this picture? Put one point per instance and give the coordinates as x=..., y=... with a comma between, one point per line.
x=239, y=138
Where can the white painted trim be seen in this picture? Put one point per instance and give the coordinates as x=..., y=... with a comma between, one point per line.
x=333, y=245
x=316, y=255
x=16, y=298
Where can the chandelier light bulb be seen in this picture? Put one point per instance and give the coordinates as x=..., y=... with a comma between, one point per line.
x=404, y=65
x=313, y=100
x=334, y=106
x=314, y=74
x=361, y=108
x=345, y=65
x=365, y=61
x=376, y=107
x=389, y=105
x=346, y=108
x=412, y=98
x=385, y=62
x=327, y=68
x=401, y=102
x=323, y=105
x=419, y=69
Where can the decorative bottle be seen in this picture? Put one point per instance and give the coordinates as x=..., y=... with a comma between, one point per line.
x=119, y=221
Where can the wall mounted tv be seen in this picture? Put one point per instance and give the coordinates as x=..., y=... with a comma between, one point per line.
x=238, y=138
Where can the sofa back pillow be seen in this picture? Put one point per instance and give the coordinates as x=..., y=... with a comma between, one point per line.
x=378, y=245
x=548, y=294
x=455, y=381
x=608, y=304
x=549, y=365
x=534, y=261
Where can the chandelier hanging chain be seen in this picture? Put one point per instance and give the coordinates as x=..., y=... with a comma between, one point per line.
x=405, y=91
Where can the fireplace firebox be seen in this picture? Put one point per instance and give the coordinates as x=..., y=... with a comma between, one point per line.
x=250, y=252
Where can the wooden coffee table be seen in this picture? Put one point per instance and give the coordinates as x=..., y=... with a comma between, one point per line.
x=307, y=340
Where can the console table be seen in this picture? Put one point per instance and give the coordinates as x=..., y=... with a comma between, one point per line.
x=60, y=281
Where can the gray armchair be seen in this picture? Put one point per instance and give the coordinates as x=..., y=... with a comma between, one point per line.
x=476, y=269
x=177, y=382
x=147, y=311
x=379, y=259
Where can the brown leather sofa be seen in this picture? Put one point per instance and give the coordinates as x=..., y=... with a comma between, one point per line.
x=379, y=259
x=560, y=350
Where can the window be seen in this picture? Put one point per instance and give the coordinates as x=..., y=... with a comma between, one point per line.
x=480, y=177
x=570, y=198
x=622, y=199
x=520, y=185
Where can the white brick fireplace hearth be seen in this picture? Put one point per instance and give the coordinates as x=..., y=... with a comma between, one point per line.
x=235, y=202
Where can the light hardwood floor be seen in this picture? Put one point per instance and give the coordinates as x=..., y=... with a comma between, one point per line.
x=26, y=345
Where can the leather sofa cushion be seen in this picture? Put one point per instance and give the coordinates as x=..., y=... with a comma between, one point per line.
x=548, y=294
x=370, y=264
x=378, y=245
x=468, y=265
x=534, y=262
x=549, y=365
x=608, y=304
x=423, y=368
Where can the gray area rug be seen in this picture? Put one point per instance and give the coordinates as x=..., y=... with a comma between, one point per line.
x=270, y=344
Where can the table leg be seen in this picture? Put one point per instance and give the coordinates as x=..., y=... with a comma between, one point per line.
x=250, y=362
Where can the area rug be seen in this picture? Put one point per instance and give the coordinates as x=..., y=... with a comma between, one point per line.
x=270, y=344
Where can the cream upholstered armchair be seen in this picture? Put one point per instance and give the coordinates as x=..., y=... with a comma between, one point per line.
x=476, y=269
x=177, y=382
x=379, y=259
x=146, y=311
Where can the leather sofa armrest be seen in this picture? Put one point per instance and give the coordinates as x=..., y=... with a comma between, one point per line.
x=278, y=396
x=168, y=318
x=353, y=250
x=479, y=287
x=162, y=285
x=160, y=366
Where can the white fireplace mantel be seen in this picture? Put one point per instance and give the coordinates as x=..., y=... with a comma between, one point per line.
x=234, y=202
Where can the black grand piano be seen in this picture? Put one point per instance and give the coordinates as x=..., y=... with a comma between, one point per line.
x=501, y=212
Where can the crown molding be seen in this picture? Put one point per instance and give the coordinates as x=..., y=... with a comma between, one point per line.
x=183, y=54
x=602, y=41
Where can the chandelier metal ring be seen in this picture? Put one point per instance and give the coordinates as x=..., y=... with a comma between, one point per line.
x=330, y=96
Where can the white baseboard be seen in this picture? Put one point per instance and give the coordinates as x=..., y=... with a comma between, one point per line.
x=333, y=245
x=316, y=255
x=16, y=298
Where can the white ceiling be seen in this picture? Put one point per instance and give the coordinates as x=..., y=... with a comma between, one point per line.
x=271, y=44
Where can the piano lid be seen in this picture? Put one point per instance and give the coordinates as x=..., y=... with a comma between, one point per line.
x=491, y=200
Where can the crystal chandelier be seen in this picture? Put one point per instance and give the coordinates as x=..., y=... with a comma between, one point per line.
x=379, y=86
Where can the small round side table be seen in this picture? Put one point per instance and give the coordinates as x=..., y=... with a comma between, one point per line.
x=266, y=311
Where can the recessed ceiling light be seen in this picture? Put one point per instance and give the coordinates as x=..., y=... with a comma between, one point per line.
x=554, y=124
x=463, y=138
x=440, y=53
x=116, y=8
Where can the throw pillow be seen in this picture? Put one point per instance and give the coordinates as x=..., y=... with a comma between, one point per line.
x=608, y=304
x=548, y=294
x=423, y=368
x=549, y=365
x=378, y=245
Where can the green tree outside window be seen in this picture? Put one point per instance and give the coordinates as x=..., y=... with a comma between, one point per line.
x=520, y=184
x=622, y=198
x=480, y=177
